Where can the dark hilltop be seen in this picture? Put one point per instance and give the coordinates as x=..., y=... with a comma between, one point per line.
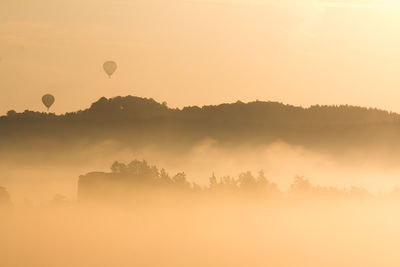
x=136, y=121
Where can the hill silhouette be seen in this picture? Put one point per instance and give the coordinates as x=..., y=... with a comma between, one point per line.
x=142, y=121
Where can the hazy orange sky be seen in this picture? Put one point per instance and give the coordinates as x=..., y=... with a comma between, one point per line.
x=196, y=52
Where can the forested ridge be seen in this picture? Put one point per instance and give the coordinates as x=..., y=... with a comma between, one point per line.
x=135, y=120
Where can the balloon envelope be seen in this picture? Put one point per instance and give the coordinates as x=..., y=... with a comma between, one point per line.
x=110, y=67
x=48, y=100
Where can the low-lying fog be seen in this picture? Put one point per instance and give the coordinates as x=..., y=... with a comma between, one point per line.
x=194, y=229
x=202, y=233
x=36, y=176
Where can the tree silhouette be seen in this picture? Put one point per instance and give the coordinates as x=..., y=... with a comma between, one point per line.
x=127, y=180
x=5, y=200
x=143, y=121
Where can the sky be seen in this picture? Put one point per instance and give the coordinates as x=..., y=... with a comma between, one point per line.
x=200, y=52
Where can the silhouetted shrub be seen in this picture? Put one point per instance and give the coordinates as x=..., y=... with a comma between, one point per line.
x=5, y=199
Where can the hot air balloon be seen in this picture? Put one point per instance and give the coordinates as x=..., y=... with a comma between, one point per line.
x=110, y=67
x=48, y=100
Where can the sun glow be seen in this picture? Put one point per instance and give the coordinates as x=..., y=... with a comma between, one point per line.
x=361, y=3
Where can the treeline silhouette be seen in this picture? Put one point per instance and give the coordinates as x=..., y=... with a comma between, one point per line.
x=128, y=180
x=141, y=121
